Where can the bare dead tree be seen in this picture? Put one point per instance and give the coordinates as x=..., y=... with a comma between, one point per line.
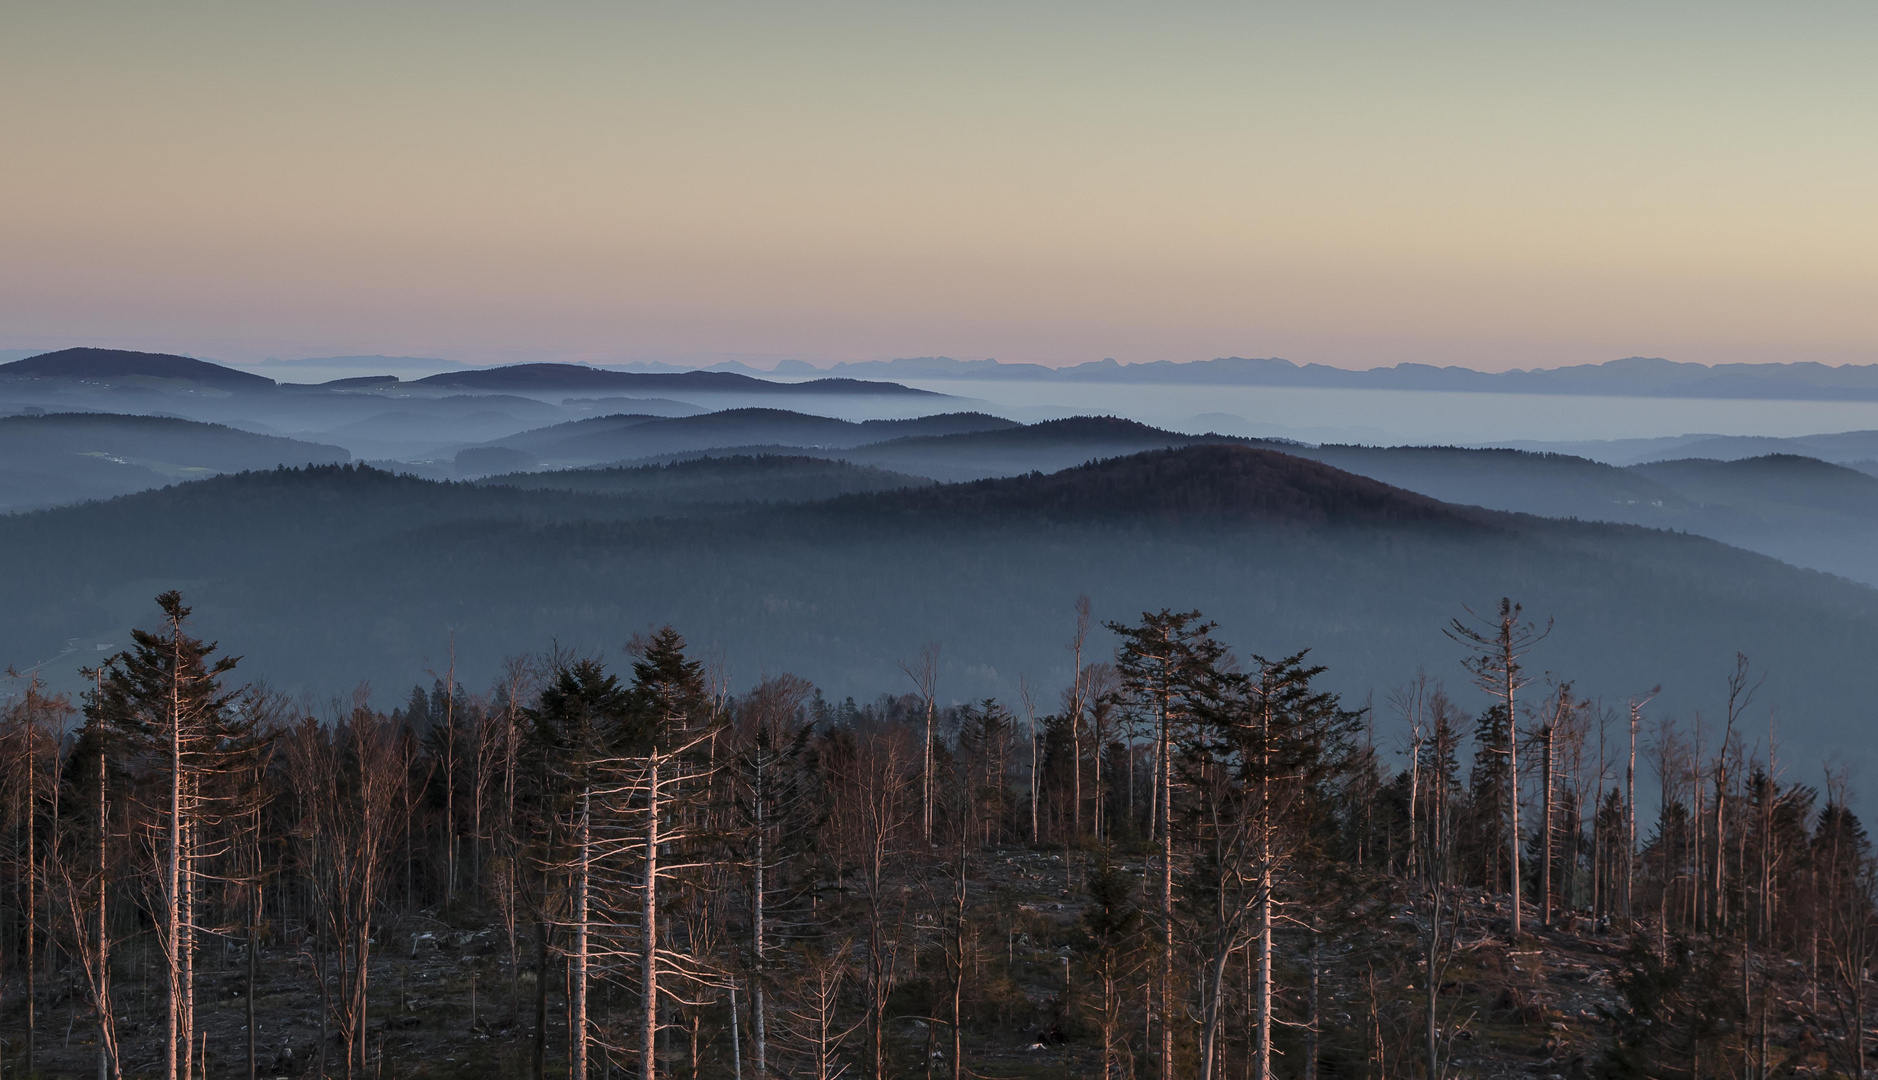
x=924, y=671
x=348, y=781
x=1495, y=651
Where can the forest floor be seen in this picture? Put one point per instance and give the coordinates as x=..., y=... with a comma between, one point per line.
x=443, y=1005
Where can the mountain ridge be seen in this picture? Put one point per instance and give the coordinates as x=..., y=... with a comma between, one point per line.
x=555, y=376
x=85, y=363
x=1634, y=376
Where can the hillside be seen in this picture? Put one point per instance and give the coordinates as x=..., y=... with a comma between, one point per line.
x=1771, y=485
x=620, y=438
x=767, y=478
x=1041, y=447
x=381, y=571
x=62, y=458
x=1549, y=485
x=1800, y=510
x=119, y=364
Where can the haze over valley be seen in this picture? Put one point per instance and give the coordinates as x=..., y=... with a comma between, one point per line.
x=846, y=541
x=623, y=492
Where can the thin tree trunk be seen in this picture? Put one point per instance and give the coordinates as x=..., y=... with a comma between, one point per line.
x=1164, y=773
x=107, y=1035
x=736, y=1036
x=31, y=875
x=173, y=870
x=254, y=948
x=188, y=944
x=758, y=1003
x=541, y=997
x=649, y=1025
x=1512, y=791
x=1431, y=977
x=1630, y=813
x=577, y=1025
x=1549, y=736
x=1262, y=986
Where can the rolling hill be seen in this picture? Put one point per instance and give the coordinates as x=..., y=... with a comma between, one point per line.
x=766, y=478
x=1739, y=505
x=526, y=378
x=380, y=571
x=62, y=458
x=611, y=439
x=1798, y=509
x=96, y=365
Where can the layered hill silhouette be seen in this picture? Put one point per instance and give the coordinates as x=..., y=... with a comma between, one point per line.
x=757, y=478
x=629, y=436
x=526, y=378
x=121, y=364
x=1748, y=505
x=1798, y=509
x=381, y=571
x=70, y=457
x=950, y=446
x=1041, y=447
x=1634, y=376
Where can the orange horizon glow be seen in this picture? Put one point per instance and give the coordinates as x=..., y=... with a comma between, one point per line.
x=1456, y=183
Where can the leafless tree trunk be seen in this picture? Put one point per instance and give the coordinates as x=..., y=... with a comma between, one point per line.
x=583, y=883
x=1078, y=702
x=925, y=674
x=1495, y=663
x=649, y=1021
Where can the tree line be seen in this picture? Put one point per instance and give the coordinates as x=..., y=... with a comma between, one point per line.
x=1185, y=863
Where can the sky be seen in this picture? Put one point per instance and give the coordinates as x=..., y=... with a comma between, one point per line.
x=1489, y=184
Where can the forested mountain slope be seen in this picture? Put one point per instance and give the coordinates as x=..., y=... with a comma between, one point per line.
x=380, y=571
x=1550, y=485
x=621, y=438
x=70, y=457
x=764, y=478
x=112, y=365
x=1041, y=447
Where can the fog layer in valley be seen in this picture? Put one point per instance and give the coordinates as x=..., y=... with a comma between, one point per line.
x=833, y=528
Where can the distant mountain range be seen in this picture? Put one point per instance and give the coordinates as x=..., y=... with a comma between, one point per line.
x=82, y=365
x=528, y=377
x=625, y=437
x=1805, y=511
x=382, y=572
x=1797, y=508
x=1636, y=376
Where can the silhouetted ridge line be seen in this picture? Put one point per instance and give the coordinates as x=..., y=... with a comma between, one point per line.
x=581, y=377
x=1206, y=482
x=86, y=363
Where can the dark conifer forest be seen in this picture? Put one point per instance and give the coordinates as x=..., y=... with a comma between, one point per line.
x=1183, y=861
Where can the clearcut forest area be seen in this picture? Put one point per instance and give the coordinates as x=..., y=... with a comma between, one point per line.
x=568, y=722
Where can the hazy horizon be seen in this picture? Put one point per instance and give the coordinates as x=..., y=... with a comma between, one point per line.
x=282, y=367
x=1461, y=184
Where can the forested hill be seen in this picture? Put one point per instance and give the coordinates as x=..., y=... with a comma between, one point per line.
x=623, y=437
x=68, y=457
x=1203, y=484
x=113, y=364
x=380, y=573
x=737, y=478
